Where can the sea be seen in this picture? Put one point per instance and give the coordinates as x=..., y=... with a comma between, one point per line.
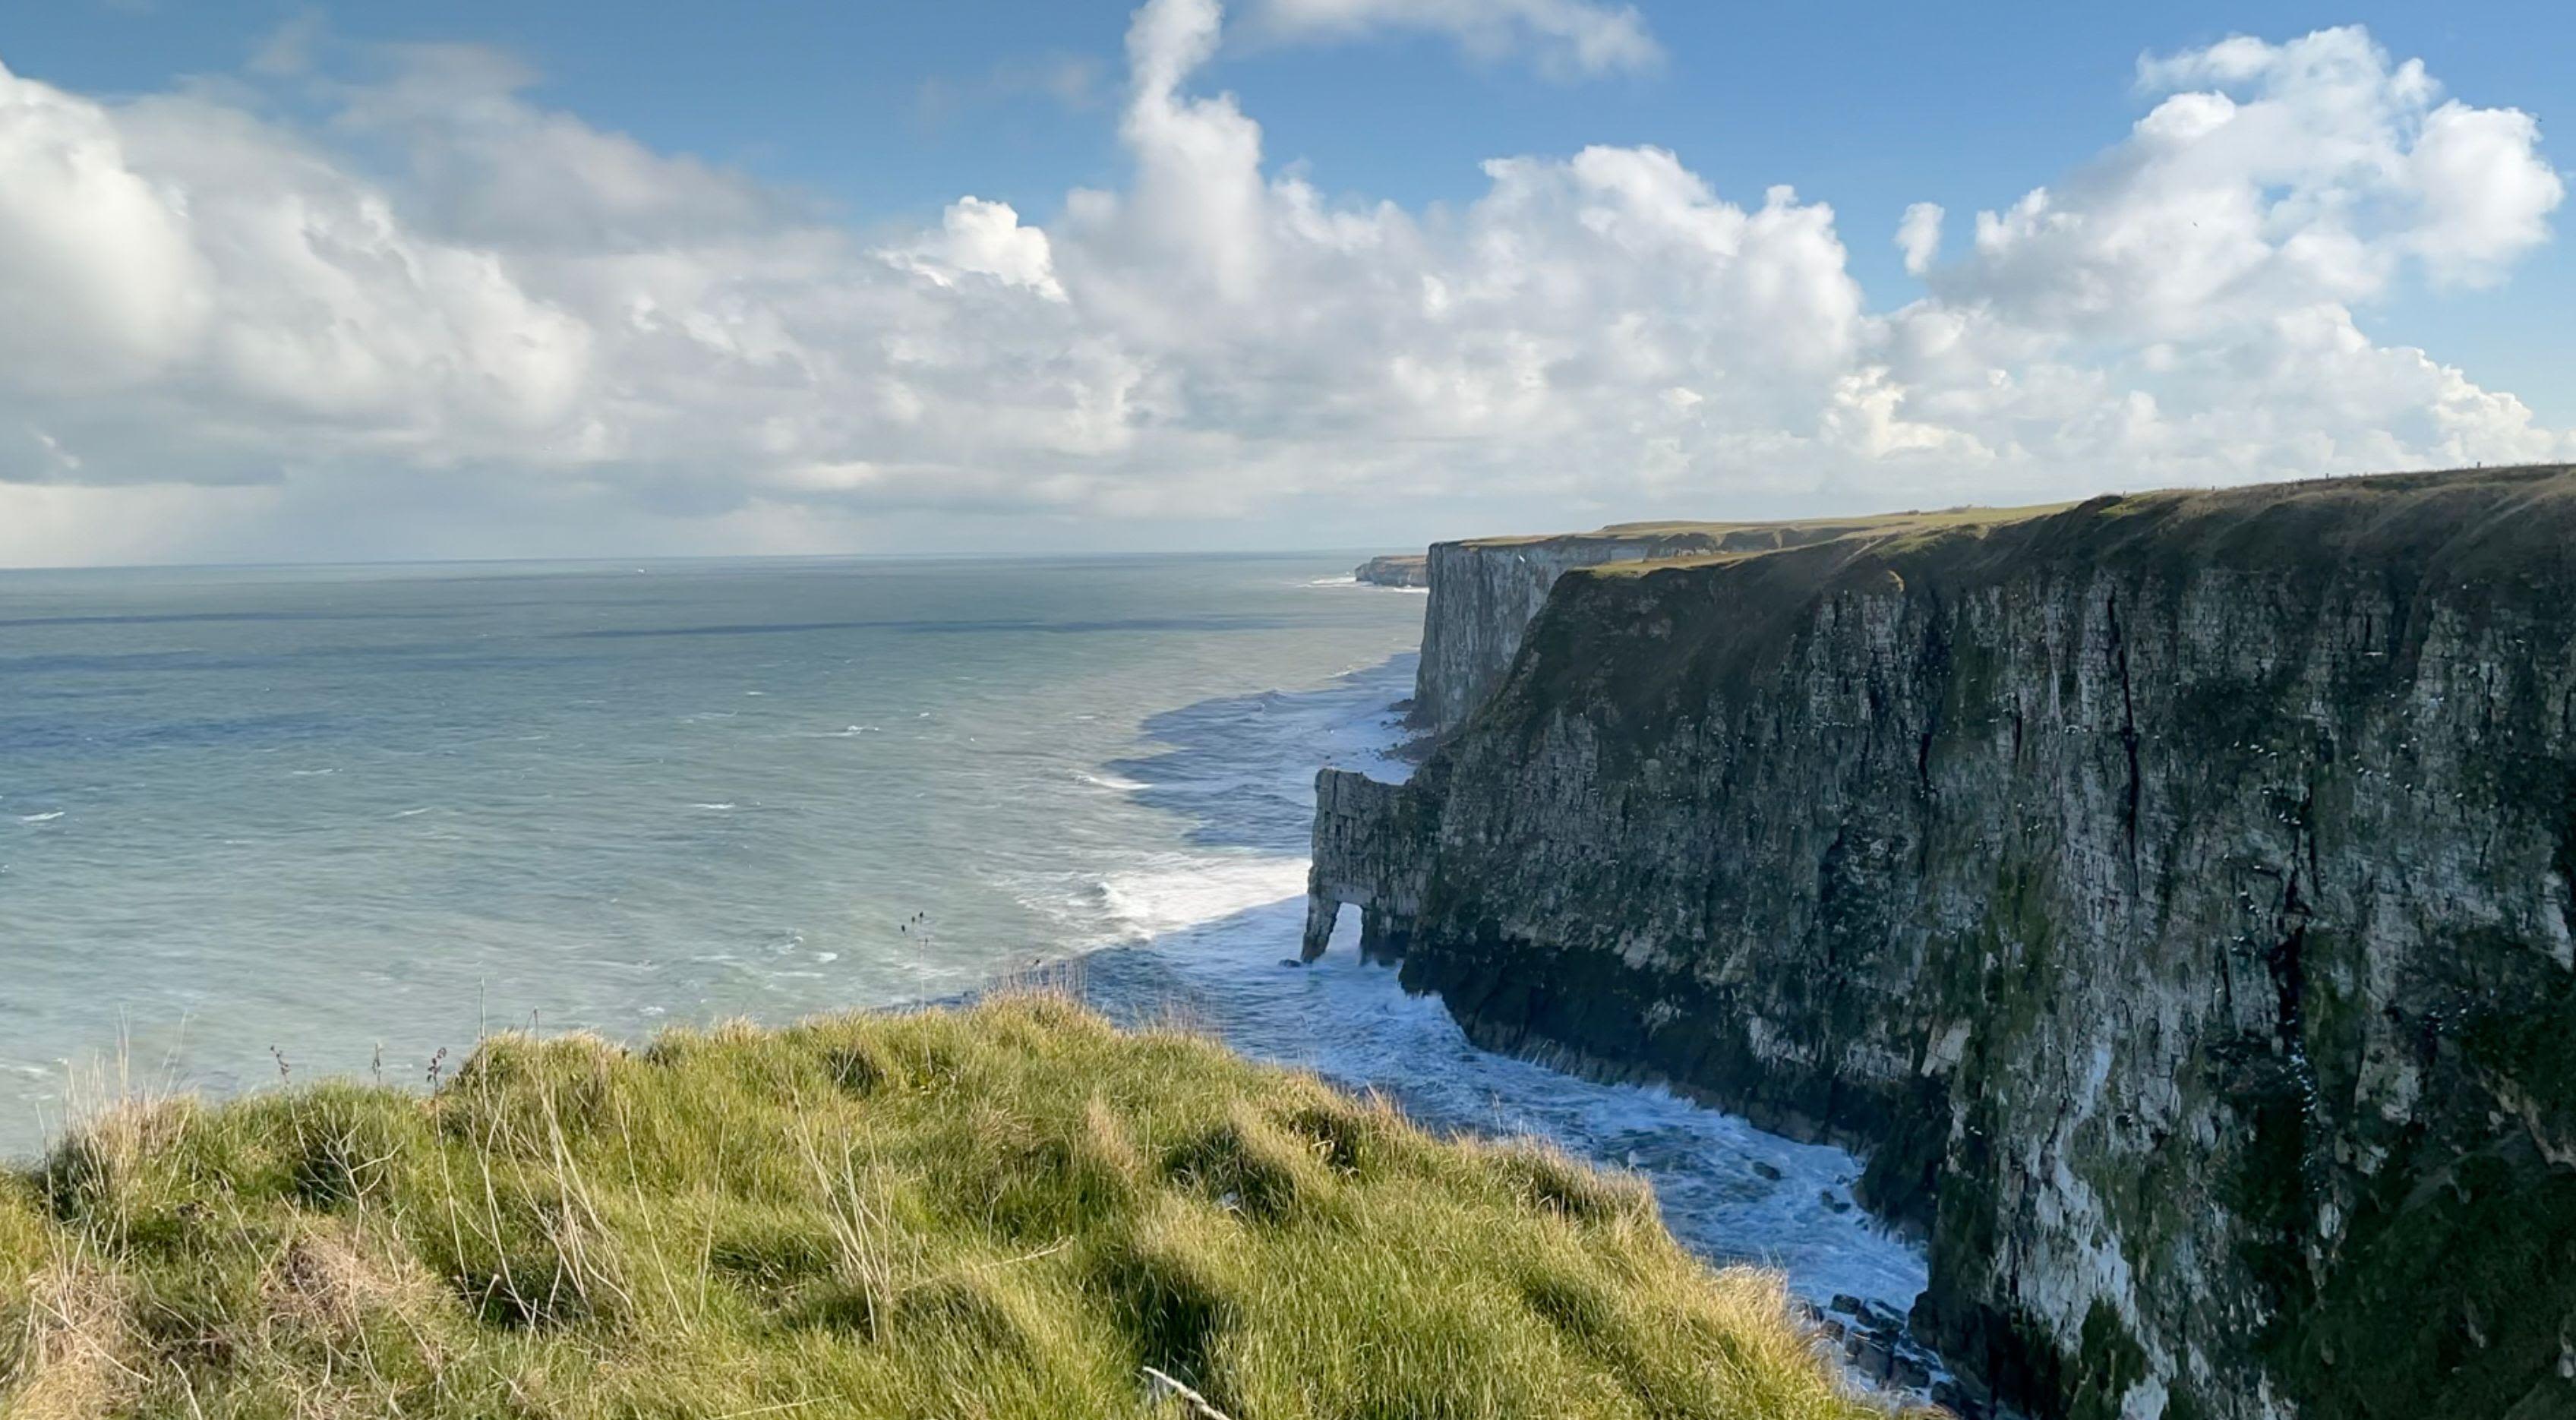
x=264, y=825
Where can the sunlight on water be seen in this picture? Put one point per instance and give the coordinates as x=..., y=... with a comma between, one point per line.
x=362, y=815
x=328, y=810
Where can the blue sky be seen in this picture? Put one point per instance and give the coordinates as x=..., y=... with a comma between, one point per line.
x=872, y=120
x=897, y=109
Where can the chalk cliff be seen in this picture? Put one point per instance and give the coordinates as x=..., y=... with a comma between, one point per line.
x=1485, y=592
x=2170, y=894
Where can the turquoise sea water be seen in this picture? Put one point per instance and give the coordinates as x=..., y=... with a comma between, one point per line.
x=349, y=818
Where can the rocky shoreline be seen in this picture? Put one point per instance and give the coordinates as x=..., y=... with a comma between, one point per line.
x=1409, y=570
x=2169, y=893
x=1875, y=1343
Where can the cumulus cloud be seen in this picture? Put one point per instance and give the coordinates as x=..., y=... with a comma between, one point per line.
x=979, y=238
x=222, y=335
x=1919, y=236
x=2483, y=195
x=2304, y=172
x=99, y=279
x=2206, y=269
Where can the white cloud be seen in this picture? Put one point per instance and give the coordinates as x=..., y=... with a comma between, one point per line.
x=1570, y=38
x=2484, y=194
x=222, y=336
x=2306, y=172
x=979, y=238
x=99, y=281
x=488, y=167
x=1919, y=236
x=2210, y=263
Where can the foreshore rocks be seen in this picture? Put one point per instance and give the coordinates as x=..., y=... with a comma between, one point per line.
x=2170, y=895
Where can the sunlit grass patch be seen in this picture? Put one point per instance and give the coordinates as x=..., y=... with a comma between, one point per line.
x=1010, y=1210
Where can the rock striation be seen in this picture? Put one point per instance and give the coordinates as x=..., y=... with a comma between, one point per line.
x=2169, y=893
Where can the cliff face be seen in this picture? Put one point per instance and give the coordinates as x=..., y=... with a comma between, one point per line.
x=2171, y=894
x=1485, y=593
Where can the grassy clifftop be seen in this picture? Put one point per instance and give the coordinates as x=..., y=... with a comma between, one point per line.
x=1004, y=1211
x=1695, y=539
x=2308, y=528
x=2506, y=528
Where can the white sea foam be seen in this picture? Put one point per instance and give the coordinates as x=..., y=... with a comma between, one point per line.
x=1175, y=892
x=1348, y=581
x=1729, y=1189
x=1158, y=895
x=1219, y=926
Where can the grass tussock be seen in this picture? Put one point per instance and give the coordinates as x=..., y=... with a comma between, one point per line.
x=997, y=1212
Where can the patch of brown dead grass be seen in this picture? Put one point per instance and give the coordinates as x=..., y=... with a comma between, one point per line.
x=76, y=1359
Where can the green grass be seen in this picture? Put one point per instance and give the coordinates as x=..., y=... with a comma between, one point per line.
x=1001, y=1211
x=1696, y=540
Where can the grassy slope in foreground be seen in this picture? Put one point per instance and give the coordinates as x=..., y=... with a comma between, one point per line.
x=1003, y=1211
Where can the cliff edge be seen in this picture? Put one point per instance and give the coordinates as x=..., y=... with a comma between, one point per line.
x=1486, y=591
x=2170, y=893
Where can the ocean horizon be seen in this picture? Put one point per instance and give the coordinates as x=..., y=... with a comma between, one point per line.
x=266, y=825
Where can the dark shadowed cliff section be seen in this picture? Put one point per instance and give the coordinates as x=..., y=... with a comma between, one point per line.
x=2170, y=893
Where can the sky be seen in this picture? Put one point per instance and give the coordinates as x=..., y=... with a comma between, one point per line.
x=363, y=281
